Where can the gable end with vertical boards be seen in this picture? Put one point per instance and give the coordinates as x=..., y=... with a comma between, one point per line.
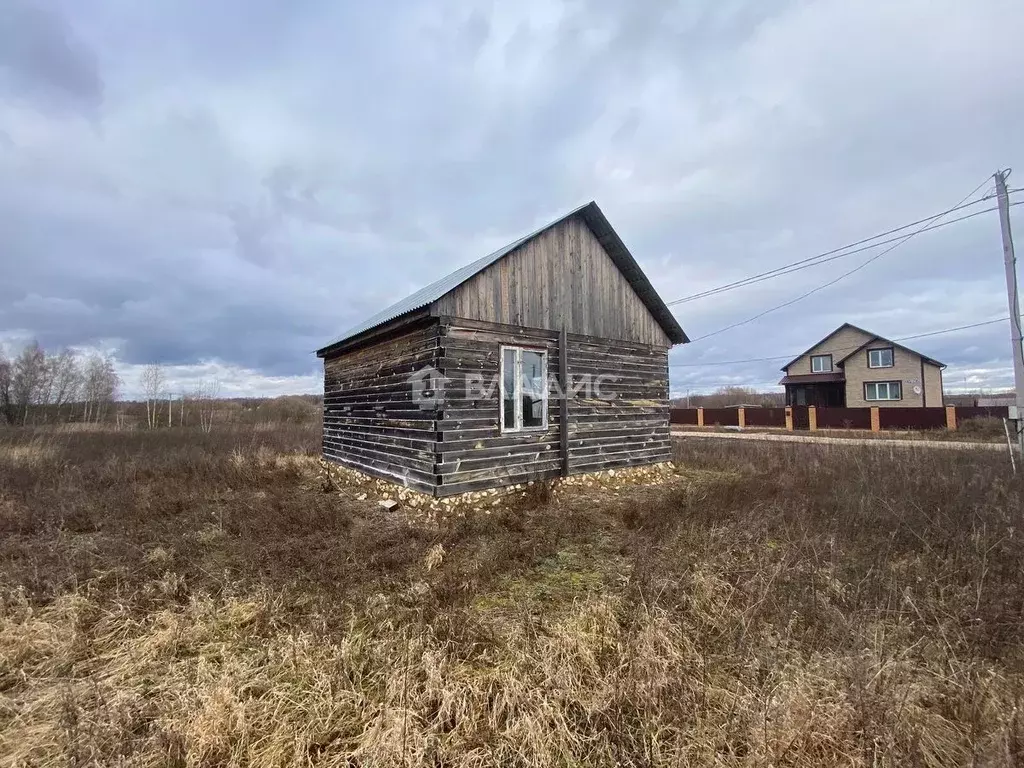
x=574, y=271
x=562, y=278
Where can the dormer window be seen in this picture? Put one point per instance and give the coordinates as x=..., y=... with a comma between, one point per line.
x=880, y=358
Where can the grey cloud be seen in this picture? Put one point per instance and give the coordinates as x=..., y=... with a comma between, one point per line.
x=263, y=175
x=43, y=59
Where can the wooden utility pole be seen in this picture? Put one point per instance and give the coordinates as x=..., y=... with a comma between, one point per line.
x=1016, y=334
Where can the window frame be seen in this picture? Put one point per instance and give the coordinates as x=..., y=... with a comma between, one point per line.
x=892, y=357
x=888, y=391
x=830, y=368
x=518, y=380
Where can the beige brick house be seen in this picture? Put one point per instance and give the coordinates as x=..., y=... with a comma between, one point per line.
x=853, y=368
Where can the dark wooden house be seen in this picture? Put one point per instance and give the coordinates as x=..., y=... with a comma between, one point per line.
x=459, y=386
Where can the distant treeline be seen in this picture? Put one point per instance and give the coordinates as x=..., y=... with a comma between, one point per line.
x=67, y=387
x=64, y=386
x=727, y=397
x=180, y=411
x=208, y=413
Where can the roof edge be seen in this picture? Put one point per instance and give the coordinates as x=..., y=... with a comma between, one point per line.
x=370, y=334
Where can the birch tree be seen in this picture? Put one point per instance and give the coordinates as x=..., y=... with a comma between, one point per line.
x=6, y=401
x=152, y=387
x=65, y=379
x=29, y=379
x=205, y=397
x=100, y=386
x=110, y=383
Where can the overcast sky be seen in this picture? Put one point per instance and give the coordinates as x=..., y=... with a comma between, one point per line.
x=226, y=186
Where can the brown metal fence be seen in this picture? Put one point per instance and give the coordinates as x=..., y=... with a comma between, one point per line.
x=844, y=418
x=722, y=417
x=765, y=417
x=912, y=418
x=683, y=416
x=834, y=418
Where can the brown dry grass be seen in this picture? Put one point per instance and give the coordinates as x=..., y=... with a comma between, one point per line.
x=187, y=599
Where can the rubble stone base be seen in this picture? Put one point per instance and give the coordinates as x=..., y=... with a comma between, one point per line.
x=362, y=487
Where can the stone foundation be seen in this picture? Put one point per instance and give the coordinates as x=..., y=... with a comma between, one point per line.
x=362, y=487
x=615, y=479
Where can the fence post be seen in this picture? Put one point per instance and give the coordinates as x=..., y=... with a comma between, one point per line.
x=789, y=418
x=951, y=418
x=812, y=418
x=876, y=420
x=700, y=417
x=741, y=417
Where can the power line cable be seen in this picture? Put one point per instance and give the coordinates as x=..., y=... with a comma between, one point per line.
x=843, y=276
x=820, y=258
x=788, y=271
x=840, y=349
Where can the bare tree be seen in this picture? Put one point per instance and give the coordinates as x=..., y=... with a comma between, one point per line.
x=205, y=396
x=65, y=379
x=110, y=383
x=91, y=387
x=152, y=387
x=100, y=386
x=37, y=381
x=6, y=377
x=44, y=387
x=28, y=381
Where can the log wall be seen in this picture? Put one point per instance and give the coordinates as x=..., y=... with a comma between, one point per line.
x=371, y=421
x=629, y=429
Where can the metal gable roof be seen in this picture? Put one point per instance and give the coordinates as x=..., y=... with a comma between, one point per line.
x=873, y=338
x=604, y=233
x=826, y=338
x=930, y=360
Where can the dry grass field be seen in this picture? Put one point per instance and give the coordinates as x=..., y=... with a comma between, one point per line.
x=177, y=598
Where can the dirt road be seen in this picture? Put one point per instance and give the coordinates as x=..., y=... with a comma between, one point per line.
x=877, y=441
